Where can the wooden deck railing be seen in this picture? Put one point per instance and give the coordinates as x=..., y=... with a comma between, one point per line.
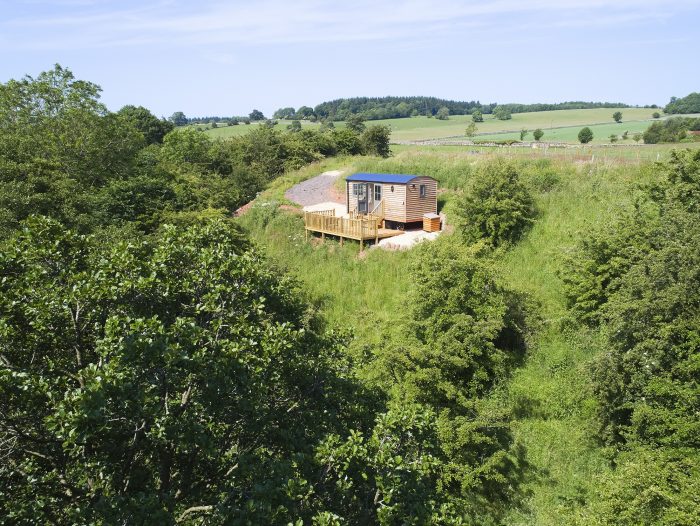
x=377, y=213
x=353, y=228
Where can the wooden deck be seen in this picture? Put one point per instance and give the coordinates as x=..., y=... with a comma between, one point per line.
x=359, y=227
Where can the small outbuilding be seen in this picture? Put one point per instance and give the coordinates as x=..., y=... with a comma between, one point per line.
x=399, y=199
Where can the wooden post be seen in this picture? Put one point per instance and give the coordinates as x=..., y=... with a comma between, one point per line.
x=323, y=236
x=341, y=241
x=306, y=232
x=360, y=243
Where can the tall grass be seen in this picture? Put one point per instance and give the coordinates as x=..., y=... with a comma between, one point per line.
x=550, y=395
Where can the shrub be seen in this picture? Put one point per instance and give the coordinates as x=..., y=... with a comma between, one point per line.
x=537, y=134
x=585, y=135
x=496, y=206
x=670, y=130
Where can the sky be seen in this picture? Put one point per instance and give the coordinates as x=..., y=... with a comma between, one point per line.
x=224, y=58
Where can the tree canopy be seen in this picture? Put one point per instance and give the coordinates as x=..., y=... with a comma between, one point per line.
x=169, y=377
x=638, y=280
x=585, y=135
x=688, y=104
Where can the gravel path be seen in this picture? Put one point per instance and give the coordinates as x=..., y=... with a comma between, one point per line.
x=318, y=189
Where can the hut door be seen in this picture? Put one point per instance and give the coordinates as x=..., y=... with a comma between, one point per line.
x=362, y=198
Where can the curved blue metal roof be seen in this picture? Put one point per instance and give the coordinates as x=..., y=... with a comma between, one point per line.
x=382, y=178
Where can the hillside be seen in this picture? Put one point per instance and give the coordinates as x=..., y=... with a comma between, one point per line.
x=550, y=396
x=558, y=125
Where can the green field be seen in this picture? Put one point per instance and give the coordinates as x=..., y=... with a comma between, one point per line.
x=558, y=125
x=419, y=128
x=601, y=132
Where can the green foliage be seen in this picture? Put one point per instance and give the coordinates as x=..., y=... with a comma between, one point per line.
x=285, y=113
x=375, y=140
x=649, y=487
x=305, y=112
x=99, y=169
x=688, y=104
x=617, y=116
x=613, y=138
x=82, y=147
x=538, y=134
x=502, y=113
x=671, y=130
x=152, y=128
x=471, y=129
x=523, y=133
x=256, y=115
x=186, y=146
x=477, y=116
x=656, y=115
x=443, y=113
x=639, y=280
x=294, y=126
x=438, y=454
x=157, y=376
x=585, y=135
x=178, y=119
x=374, y=108
x=469, y=331
x=496, y=206
x=356, y=123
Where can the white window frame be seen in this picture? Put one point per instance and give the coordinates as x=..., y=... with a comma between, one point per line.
x=377, y=192
x=355, y=189
x=423, y=191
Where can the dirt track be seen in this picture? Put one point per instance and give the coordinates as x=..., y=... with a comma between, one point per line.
x=318, y=189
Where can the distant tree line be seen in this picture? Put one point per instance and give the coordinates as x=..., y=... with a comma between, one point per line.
x=180, y=119
x=374, y=108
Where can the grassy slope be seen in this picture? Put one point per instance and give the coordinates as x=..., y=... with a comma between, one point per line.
x=558, y=125
x=550, y=394
x=417, y=128
x=601, y=132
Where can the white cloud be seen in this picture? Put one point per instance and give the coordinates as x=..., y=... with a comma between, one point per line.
x=84, y=23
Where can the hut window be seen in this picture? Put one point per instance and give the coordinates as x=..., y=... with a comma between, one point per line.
x=423, y=189
x=377, y=192
x=392, y=187
x=355, y=189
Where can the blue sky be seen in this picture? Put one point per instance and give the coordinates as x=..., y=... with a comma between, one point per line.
x=222, y=58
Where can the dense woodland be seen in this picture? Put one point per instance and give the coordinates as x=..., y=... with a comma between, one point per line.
x=688, y=104
x=157, y=367
x=373, y=108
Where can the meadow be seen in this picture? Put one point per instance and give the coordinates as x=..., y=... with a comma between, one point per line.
x=423, y=128
x=558, y=126
x=550, y=395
